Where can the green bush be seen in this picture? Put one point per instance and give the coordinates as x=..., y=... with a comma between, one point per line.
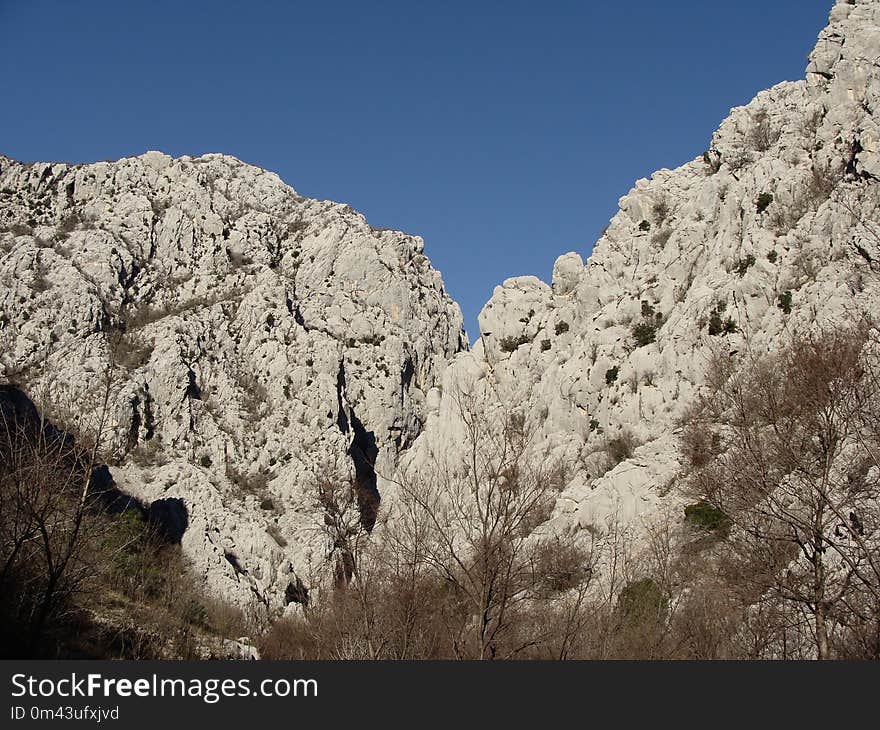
x=744, y=264
x=784, y=302
x=643, y=600
x=645, y=226
x=205, y=461
x=772, y=256
x=763, y=202
x=644, y=333
x=545, y=345
x=719, y=325
x=561, y=327
x=704, y=516
x=510, y=344
x=611, y=375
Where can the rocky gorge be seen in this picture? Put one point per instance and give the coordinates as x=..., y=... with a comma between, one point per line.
x=251, y=342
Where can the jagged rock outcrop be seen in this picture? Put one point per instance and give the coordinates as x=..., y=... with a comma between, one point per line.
x=251, y=338
x=776, y=226
x=254, y=338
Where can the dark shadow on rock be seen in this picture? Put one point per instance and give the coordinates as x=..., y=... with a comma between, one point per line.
x=169, y=515
x=363, y=452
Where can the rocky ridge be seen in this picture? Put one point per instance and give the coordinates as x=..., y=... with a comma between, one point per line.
x=774, y=227
x=253, y=340
x=257, y=339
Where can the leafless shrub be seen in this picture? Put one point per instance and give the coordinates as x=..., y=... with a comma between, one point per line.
x=806, y=264
x=69, y=223
x=47, y=518
x=737, y=159
x=660, y=209
x=761, y=135
x=795, y=431
x=783, y=218
x=620, y=447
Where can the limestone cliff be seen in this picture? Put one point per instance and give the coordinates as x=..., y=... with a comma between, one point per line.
x=253, y=339
x=775, y=226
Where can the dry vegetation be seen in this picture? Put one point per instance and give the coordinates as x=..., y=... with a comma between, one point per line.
x=786, y=447
x=776, y=557
x=84, y=572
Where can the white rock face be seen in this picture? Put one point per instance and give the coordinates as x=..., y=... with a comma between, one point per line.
x=776, y=226
x=258, y=338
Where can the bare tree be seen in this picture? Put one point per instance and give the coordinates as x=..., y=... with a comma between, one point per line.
x=476, y=511
x=46, y=511
x=792, y=477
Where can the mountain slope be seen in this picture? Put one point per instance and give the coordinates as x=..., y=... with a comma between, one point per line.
x=254, y=340
x=773, y=228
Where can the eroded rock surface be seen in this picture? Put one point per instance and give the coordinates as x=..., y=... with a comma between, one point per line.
x=775, y=226
x=258, y=338
x=253, y=339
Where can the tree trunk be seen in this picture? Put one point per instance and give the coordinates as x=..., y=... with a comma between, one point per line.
x=821, y=633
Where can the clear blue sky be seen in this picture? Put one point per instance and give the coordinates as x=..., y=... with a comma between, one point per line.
x=501, y=132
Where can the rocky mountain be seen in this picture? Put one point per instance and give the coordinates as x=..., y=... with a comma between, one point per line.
x=774, y=227
x=253, y=341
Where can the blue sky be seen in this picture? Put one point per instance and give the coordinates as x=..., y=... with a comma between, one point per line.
x=502, y=132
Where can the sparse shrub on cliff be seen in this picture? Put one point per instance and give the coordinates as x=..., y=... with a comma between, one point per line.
x=660, y=209
x=822, y=183
x=736, y=159
x=719, y=325
x=783, y=218
x=744, y=264
x=761, y=135
x=611, y=374
x=620, y=448
x=561, y=327
x=643, y=601
x=510, y=344
x=763, y=202
x=645, y=331
x=784, y=302
x=698, y=443
x=704, y=516
x=69, y=224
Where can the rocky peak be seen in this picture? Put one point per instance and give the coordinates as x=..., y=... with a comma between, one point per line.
x=772, y=227
x=254, y=338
